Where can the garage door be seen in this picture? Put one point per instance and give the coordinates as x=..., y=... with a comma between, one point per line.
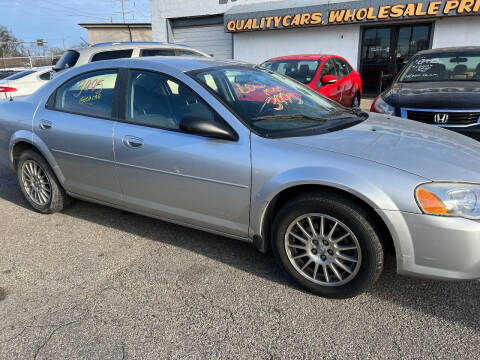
x=211, y=39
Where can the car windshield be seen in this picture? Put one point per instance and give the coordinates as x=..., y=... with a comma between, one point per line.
x=300, y=70
x=273, y=105
x=442, y=68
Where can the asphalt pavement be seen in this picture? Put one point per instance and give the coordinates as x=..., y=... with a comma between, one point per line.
x=99, y=283
x=366, y=103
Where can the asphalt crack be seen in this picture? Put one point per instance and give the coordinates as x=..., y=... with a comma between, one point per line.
x=124, y=354
x=18, y=335
x=3, y=294
x=54, y=331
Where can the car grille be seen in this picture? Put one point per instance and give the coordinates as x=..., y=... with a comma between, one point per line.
x=454, y=118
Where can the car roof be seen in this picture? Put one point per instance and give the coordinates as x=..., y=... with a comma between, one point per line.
x=300, y=57
x=139, y=43
x=175, y=63
x=130, y=45
x=452, y=50
x=189, y=63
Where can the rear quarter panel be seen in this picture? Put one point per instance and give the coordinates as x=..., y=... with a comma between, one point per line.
x=15, y=124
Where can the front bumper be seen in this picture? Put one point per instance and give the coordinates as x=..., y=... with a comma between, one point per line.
x=436, y=247
x=471, y=131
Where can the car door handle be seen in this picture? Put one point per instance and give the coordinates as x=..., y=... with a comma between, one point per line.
x=45, y=124
x=132, y=142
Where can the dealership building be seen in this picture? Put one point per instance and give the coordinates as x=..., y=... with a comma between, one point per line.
x=375, y=36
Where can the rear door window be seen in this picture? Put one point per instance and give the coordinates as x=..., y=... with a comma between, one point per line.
x=182, y=52
x=110, y=55
x=158, y=52
x=89, y=94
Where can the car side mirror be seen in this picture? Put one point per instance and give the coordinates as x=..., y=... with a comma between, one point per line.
x=329, y=79
x=196, y=125
x=387, y=77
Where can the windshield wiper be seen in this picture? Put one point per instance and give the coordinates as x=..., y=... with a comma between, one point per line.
x=346, y=114
x=287, y=116
x=360, y=113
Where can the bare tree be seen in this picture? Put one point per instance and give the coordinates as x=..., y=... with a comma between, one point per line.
x=56, y=51
x=10, y=46
x=78, y=45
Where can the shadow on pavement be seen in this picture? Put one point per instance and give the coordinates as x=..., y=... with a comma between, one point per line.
x=453, y=301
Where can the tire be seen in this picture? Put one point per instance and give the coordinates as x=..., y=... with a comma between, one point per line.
x=356, y=100
x=33, y=170
x=359, y=238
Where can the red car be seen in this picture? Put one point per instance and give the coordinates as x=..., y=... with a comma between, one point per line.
x=330, y=75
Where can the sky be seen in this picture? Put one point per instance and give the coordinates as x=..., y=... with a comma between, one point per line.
x=53, y=20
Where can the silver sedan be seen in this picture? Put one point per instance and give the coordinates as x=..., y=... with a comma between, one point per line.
x=245, y=152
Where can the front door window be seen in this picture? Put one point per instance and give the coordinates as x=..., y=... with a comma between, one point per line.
x=156, y=100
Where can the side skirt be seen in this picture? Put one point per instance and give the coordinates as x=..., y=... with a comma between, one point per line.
x=196, y=227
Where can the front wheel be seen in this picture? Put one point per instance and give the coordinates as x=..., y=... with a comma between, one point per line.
x=356, y=100
x=328, y=244
x=39, y=184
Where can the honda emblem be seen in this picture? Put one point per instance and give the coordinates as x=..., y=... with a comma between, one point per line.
x=440, y=118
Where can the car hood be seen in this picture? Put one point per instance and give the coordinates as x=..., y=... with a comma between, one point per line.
x=464, y=95
x=425, y=150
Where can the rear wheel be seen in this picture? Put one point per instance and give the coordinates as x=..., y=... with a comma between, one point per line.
x=39, y=184
x=356, y=100
x=328, y=245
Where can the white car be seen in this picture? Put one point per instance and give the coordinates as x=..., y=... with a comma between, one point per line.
x=25, y=82
x=119, y=50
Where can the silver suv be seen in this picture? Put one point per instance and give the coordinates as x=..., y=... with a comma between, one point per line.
x=118, y=50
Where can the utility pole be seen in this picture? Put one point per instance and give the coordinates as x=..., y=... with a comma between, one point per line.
x=4, y=65
x=63, y=42
x=123, y=10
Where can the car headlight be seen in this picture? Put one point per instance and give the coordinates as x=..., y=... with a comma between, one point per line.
x=380, y=106
x=449, y=199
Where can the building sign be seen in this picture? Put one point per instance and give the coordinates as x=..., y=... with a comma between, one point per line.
x=347, y=13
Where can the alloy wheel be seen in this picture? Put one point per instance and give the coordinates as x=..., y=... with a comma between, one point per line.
x=323, y=249
x=36, y=183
